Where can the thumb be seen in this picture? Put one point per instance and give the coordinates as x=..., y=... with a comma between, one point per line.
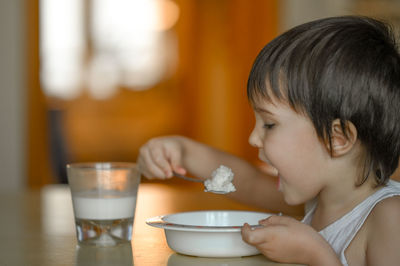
x=251, y=236
x=175, y=160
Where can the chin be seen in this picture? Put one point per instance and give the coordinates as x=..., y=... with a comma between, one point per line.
x=292, y=201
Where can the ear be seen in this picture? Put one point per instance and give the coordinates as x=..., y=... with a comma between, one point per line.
x=342, y=139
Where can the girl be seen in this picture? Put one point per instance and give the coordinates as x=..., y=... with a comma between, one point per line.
x=326, y=96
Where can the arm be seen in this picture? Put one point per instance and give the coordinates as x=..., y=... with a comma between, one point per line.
x=160, y=156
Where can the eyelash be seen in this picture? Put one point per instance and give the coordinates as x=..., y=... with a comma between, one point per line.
x=268, y=126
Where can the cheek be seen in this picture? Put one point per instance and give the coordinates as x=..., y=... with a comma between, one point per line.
x=305, y=146
x=297, y=156
x=302, y=175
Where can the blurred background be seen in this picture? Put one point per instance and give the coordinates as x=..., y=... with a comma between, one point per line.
x=93, y=80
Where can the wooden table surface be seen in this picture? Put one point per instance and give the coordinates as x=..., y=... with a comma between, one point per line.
x=37, y=228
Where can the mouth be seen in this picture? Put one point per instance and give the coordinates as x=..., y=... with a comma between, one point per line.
x=270, y=169
x=279, y=183
x=262, y=157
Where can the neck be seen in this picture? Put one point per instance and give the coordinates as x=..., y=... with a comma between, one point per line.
x=338, y=199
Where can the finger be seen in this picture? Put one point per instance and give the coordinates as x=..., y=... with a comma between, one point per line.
x=180, y=170
x=251, y=235
x=160, y=160
x=145, y=172
x=150, y=169
x=264, y=221
x=141, y=166
x=276, y=220
x=175, y=161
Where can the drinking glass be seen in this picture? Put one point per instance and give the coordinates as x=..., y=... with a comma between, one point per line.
x=104, y=201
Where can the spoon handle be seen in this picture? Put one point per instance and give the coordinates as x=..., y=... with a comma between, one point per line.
x=187, y=178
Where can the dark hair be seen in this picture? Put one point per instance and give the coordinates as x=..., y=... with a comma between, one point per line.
x=345, y=68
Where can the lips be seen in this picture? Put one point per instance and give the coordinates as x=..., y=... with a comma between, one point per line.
x=279, y=185
x=262, y=157
x=269, y=169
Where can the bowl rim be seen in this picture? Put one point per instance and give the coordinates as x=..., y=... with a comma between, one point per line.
x=159, y=222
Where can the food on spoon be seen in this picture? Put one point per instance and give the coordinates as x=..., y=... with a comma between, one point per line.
x=221, y=180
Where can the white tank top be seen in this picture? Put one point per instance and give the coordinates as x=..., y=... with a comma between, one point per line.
x=340, y=233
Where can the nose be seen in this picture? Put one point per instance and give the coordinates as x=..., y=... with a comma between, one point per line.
x=254, y=139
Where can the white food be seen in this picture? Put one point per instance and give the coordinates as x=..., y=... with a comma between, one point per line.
x=221, y=180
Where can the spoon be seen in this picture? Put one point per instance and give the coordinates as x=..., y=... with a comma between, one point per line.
x=198, y=180
x=187, y=178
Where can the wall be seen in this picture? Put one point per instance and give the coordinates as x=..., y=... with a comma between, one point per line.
x=12, y=95
x=203, y=99
x=294, y=12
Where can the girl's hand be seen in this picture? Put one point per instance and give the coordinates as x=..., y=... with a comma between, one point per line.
x=284, y=239
x=159, y=157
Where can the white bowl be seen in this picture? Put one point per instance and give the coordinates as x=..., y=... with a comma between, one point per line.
x=208, y=233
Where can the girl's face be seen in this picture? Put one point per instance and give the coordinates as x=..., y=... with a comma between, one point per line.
x=288, y=141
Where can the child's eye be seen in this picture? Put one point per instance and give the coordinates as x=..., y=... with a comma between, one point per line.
x=268, y=126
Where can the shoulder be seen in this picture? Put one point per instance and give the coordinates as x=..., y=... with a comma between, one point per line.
x=383, y=235
x=385, y=214
x=389, y=206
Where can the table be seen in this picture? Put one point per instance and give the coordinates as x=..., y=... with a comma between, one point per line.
x=37, y=228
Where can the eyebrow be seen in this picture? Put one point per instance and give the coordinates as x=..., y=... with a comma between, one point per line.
x=262, y=110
